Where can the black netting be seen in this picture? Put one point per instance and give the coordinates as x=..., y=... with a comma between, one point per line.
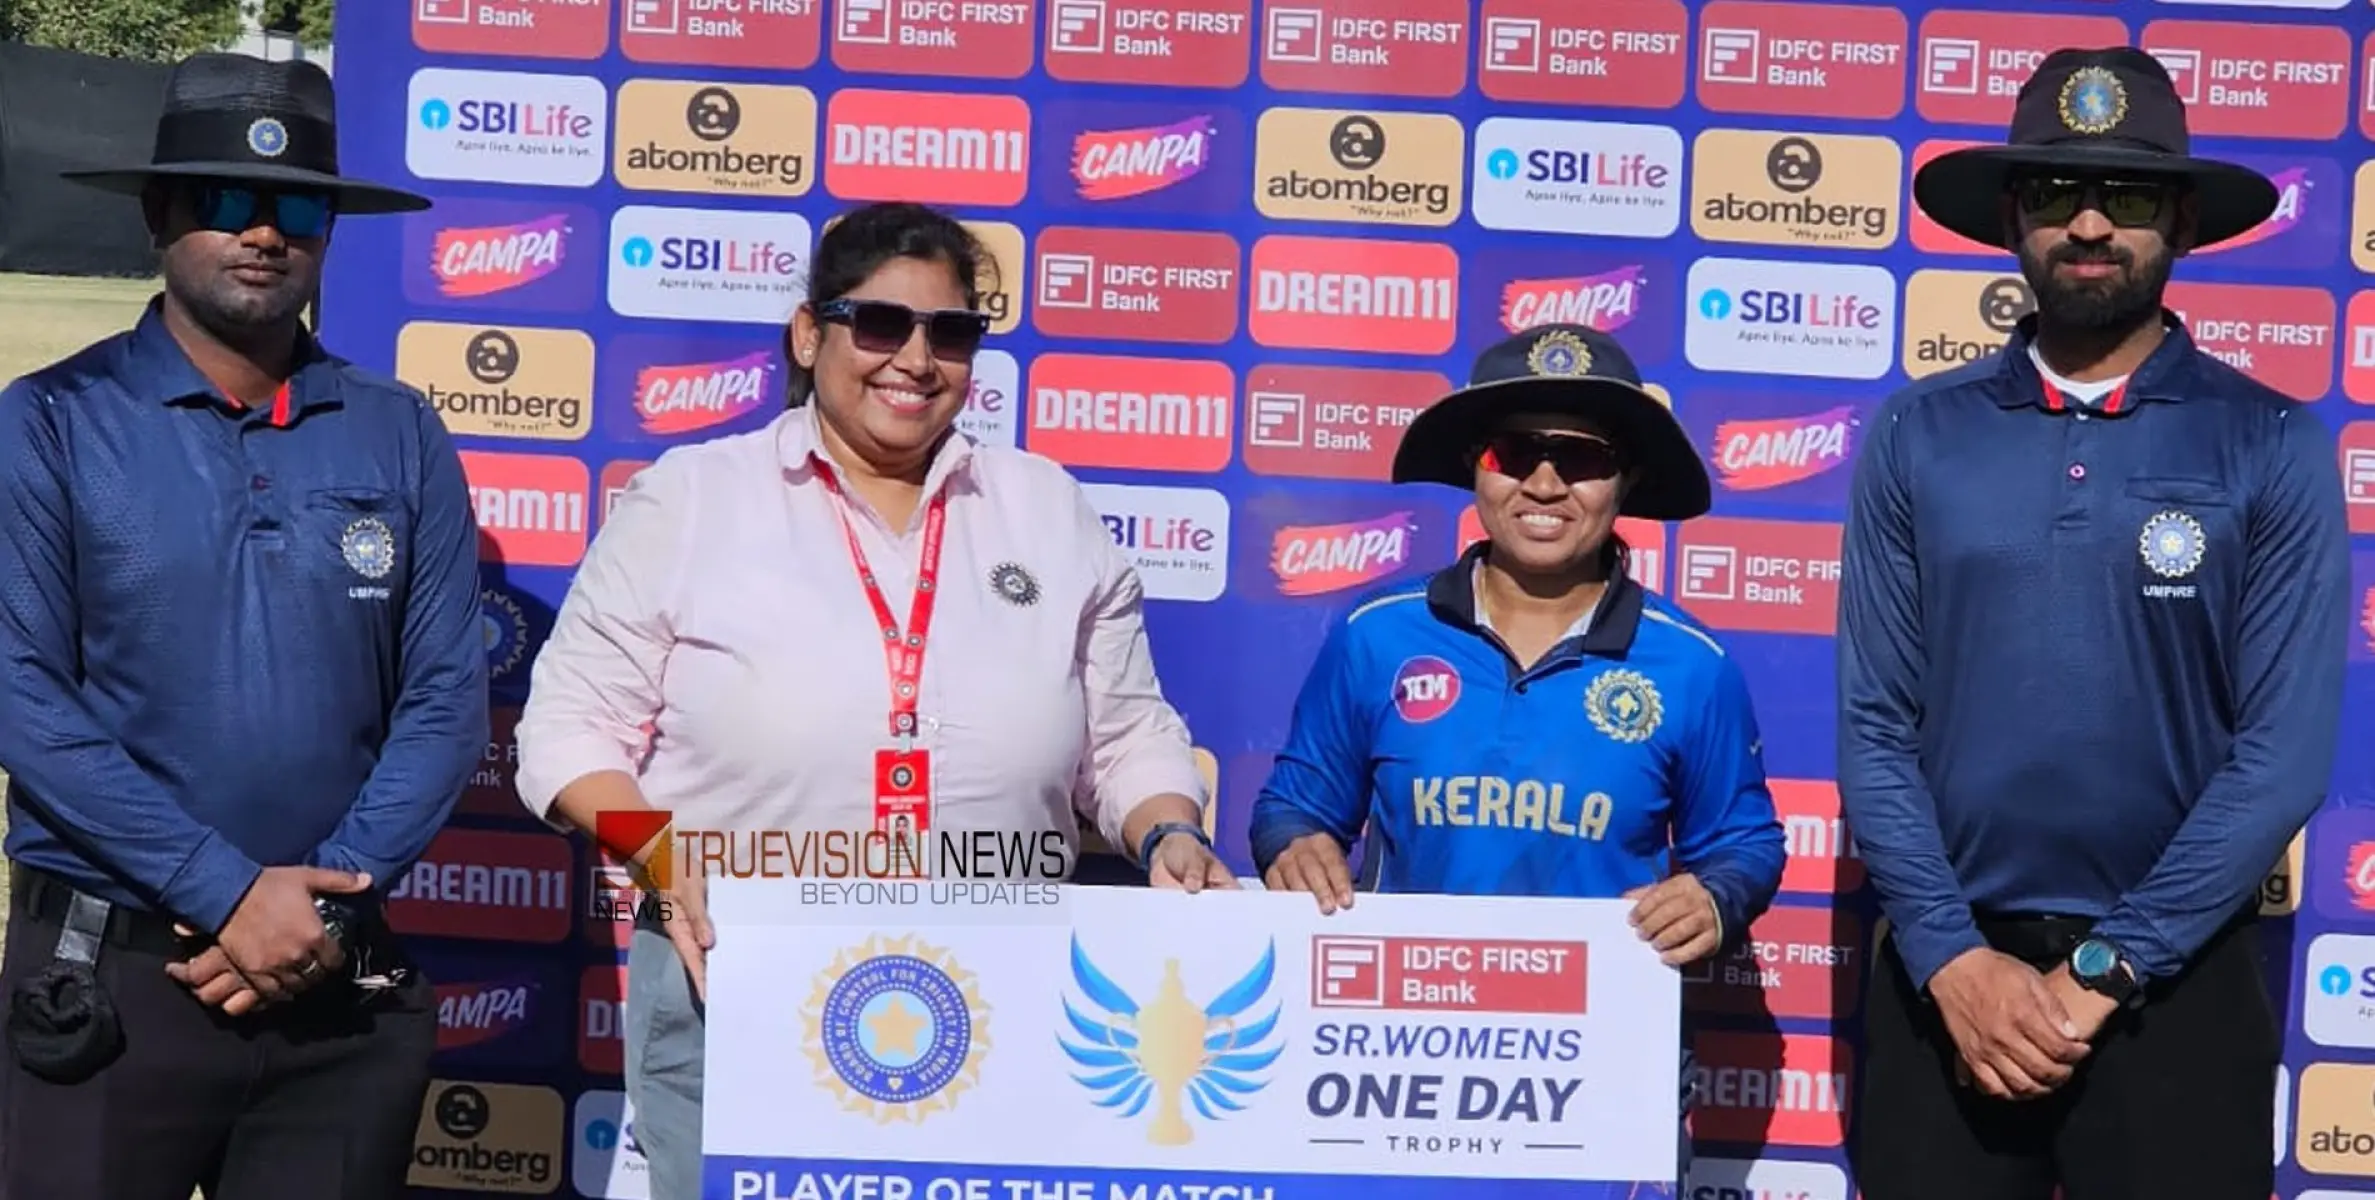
x=61, y=112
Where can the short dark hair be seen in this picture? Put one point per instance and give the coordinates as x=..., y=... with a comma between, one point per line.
x=863, y=239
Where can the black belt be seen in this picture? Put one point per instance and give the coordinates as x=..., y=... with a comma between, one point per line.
x=45, y=898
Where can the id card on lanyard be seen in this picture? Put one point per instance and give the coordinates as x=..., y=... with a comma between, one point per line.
x=902, y=770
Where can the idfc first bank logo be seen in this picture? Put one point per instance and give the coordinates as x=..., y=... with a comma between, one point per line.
x=501, y=127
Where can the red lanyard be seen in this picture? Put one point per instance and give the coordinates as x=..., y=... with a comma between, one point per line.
x=903, y=654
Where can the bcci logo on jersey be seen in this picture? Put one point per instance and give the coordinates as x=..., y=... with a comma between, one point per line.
x=2172, y=545
x=1170, y=1049
x=370, y=551
x=896, y=1029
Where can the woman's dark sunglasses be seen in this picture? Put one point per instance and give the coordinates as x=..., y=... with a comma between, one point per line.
x=2130, y=204
x=881, y=327
x=231, y=208
x=1577, y=458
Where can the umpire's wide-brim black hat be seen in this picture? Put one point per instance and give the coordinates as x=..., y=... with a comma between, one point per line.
x=244, y=120
x=2092, y=112
x=1565, y=370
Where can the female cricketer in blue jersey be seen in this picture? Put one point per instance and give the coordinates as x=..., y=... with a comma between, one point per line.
x=1530, y=721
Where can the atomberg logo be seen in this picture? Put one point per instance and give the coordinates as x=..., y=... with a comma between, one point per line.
x=1313, y=560
x=1830, y=190
x=1120, y=163
x=1756, y=455
x=1958, y=317
x=685, y=398
x=745, y=140
x=1385, y=168
x=509, y=381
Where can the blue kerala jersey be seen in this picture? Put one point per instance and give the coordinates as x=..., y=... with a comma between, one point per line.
x=1573, y=778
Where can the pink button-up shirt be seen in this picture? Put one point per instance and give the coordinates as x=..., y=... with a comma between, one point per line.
x=718, y=606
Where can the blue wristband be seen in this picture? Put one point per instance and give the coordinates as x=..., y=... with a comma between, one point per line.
x=1154, y=837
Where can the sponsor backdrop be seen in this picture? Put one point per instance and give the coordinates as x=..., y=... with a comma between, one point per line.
x=1241, y=243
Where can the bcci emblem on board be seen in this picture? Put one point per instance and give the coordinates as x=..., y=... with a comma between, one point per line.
x=1624, y=705
x=896, y=1029
x=2171, y=544
x=504, y=626
x=1168, y=1049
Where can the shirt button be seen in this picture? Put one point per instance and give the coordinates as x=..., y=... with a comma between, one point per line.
x=260, y=483
x=2077, y=470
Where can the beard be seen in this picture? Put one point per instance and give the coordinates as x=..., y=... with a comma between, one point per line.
x=236, y=312
x=2097, y=306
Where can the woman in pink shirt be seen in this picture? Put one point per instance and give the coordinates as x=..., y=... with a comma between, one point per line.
x=752, y=602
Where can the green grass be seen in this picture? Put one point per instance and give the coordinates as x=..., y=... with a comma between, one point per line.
x=42, y=320
x=46, y=319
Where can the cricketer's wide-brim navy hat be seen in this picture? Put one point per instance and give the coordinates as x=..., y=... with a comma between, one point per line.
x=1563, y=370
x=2092, y=112
x=242, y=119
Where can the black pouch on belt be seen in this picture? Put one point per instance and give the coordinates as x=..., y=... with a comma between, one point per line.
x=62, y=1025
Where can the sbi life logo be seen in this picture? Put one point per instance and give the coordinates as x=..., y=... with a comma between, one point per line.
x=2335, y=980
x=1502, y=164
x=1715, y=304
x=637, y=252
x=436, y=115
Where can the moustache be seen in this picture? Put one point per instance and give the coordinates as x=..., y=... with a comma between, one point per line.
x=2074, y=254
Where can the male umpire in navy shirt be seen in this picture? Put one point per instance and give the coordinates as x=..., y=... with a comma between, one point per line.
x=243, y=673
x=2091, y=640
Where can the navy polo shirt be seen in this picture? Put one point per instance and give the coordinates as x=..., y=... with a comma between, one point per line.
x=1629, y=743
x=230, y=641
x=2090, y=658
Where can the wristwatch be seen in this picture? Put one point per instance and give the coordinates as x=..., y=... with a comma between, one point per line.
x=1154, y=837
x=2101, y=967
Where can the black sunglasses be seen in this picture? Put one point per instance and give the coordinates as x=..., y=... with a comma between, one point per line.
x=882, y=327
x=2130, y=204
x=1578, y=458
x=236, y=208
